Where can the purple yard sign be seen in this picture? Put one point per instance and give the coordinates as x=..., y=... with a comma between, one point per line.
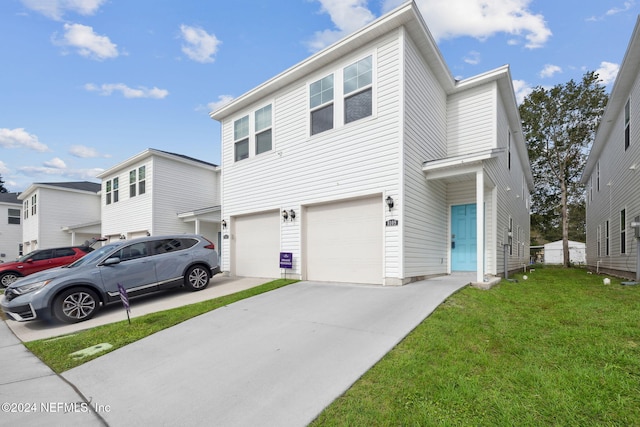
x=286, y=260
x=123, y=296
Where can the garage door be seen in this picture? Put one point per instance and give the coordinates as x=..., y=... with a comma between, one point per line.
x=344, y=241
x=257, y=245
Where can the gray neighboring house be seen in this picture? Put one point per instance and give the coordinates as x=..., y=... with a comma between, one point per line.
x=59, y=214
x=10, y=227
x=612, y=173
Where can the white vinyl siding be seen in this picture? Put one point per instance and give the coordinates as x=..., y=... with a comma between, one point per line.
x=471, y=120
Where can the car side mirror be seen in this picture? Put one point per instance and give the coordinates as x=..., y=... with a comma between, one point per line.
x=111, y=261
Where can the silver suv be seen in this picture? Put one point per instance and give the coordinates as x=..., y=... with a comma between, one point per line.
x=75, y=292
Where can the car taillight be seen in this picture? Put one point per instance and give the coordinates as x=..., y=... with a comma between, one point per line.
x=210, y=245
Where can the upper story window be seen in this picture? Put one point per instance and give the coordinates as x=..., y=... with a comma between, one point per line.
x=13, y=216
x=627, y=118
x=34, y=204
x=321, y=104
x=112, y=191
x=358, y=92
x=25, y=209
x=623, y=231
x=255, y=130
x=137, y=182
x=509, y=152
x=241, y=138
x=263, y=129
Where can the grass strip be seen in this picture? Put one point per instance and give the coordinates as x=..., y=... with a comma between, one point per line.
x=560, y=348
x=55, y=351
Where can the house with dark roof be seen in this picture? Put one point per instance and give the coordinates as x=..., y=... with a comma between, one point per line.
x=59, y=214
x=158, y=192
x=10, y=227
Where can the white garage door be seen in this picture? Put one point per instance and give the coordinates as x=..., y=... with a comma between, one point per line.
x=257, y=245
x=344, y=241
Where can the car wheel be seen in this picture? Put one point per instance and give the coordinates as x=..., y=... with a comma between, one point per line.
x=76, y=305
x=8, y=278
x=197, y=278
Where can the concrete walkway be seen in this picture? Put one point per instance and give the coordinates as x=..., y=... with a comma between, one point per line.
x=277, y=359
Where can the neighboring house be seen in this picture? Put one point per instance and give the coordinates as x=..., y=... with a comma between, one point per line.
x=612, y=173
x=10, y=227
x=553, y=252
x=59, y=214
x=368, y=162
x=156, y=193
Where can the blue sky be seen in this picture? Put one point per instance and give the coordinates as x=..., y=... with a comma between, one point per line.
x=87, y=84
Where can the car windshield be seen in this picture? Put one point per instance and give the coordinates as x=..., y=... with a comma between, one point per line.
x=24, y=258
x=94, y=255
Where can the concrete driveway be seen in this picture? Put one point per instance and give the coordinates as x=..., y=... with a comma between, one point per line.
x=277, y=359
x=219, y=285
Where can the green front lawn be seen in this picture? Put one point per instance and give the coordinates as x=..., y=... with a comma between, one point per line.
x=558, y=349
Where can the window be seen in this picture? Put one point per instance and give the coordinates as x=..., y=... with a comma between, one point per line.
x=598, y=176
x=599, y=240
x=357, y=88
x=321, y=105
x=623, y=231
x=132, y=183
x=14, y=216
x=510, y=236
x=241, y=138
x=111, y=191
x=606, y=238
x=626, y=125
x=34, y=207
x=137, y=181
x=25, y=209
x=509, y=152
x=263, y=129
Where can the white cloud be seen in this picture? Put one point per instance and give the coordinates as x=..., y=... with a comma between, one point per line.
x=347, y=16
x=627, y=5
x=221, y=102
x=482, y=19
x=4, y=169
x=139, y=92
x=521, y=89
x=607, y=72
x=55, y=163
x=19, y=138
x=472, y=58
x=199, y=45
x=87, y=42
x=53, y=170
x=549, y=70
x=55, y=9
x=85, y=152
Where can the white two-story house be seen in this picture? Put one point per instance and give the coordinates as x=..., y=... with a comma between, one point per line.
x=368, y=162
x=156, y=192
x=612, y=174
x=59, y=214
x=10, y=227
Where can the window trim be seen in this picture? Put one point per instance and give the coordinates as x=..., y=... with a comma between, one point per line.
x=250, y=138
x=14, y=214
x=322, y=105
x=623, y=231
x=627, y=120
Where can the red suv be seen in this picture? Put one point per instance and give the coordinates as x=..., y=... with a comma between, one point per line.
x=41, y=259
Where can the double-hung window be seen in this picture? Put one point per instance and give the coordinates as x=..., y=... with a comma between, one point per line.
x=263, y=129
x=137, y=181
x=14, y=216
x=623, y=231
x=25, y=209
x=321, y=104
x=241, y=138
x=627, y=118
x=357, y=88
x=34, y=204
x=112, y=191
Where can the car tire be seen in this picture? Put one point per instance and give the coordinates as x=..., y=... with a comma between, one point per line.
x=8, y=278
x=197, y=278
x=76, y=305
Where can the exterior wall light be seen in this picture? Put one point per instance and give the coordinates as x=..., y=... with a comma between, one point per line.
x=224, y=224
x=292, y=214
x=285, y=215
x=389, y=201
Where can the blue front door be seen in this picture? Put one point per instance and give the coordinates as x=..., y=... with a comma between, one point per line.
x=463, y=238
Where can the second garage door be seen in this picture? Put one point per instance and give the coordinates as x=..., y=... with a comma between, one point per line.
x=257, y=245
x=344, y=241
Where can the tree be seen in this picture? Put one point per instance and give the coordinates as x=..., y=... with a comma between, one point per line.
x=559, y=125
x=2, y=189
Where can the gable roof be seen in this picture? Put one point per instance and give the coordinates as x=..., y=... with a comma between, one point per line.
x=10, y=198
x=617, y=99
x=154, y=152
x=406, y=15
x=77, y=186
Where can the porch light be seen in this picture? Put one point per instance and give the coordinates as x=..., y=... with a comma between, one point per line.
x=224, y=224
x=292, y=214
x=389, y=201
x=285, y=215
